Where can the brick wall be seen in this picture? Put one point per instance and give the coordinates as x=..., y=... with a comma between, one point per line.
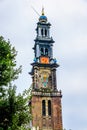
x=53, y=122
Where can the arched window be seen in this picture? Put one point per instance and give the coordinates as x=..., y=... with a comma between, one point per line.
x=49, y=107
x=42, y=51
x=43, y=108
x=42, y=32
x=45, y=32
x=46, y=51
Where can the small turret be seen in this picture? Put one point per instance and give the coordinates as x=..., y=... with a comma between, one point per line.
x=43, y=18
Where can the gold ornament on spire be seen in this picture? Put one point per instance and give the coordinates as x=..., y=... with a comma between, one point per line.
x=42, y=10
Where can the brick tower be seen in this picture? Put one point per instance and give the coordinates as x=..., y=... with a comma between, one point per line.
x=46, y=98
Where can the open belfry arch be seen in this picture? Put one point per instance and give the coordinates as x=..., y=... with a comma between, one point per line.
x=46, y=98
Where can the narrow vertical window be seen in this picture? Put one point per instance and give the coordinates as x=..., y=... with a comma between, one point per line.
x=42, y=52
x=49, y=107
x=45, y=32
x=37, y=31
x=42, y=32
x=46, y=51
x=43, y=108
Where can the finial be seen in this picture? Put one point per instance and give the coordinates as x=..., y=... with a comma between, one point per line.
x=42, y=10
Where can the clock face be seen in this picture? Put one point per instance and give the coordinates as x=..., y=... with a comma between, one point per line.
x=44, y=60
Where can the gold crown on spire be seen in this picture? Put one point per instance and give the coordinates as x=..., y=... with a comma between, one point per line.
x=42, y=10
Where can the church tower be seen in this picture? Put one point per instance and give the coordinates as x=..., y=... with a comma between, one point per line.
x=46, y=98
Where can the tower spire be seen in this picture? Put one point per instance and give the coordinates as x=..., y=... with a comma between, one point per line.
x=45, y=104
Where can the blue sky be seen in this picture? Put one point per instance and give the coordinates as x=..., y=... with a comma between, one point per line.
x=69, y=31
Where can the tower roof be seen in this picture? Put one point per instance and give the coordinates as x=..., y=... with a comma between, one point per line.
x=43, y=18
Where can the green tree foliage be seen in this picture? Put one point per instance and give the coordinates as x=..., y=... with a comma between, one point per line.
x=8, y=70
x=15, y=113
x=14, y=109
